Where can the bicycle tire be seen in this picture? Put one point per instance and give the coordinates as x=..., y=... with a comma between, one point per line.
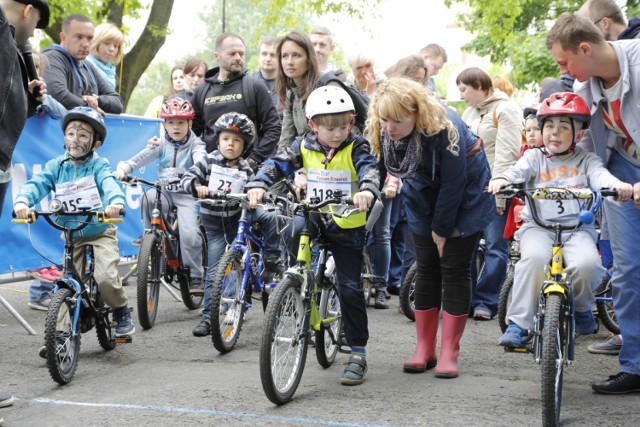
x=63, y=349
x=605, y=308
x=328, y=337
x=284, y=342
x=152, y=259
x=191, y=301
x=503, y=299
x=103, y=325
x=366, y=272
x=552, y=363
x=407, y=293
x=226, y=308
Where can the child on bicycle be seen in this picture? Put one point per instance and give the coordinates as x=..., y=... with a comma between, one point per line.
x=176, y=151
x=562, y=118
x=227, y=170
x=332, y=154
x=84, y=132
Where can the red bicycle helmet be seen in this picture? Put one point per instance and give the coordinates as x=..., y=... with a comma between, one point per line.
x=177, y=108
x=564, y=104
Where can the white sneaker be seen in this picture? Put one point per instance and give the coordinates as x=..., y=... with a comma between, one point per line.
x=42, y=305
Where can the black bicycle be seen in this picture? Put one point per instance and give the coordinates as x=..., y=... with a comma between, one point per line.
x=160, y=260
x=76, y=306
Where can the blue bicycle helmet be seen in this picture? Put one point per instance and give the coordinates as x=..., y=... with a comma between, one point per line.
x=88, y=115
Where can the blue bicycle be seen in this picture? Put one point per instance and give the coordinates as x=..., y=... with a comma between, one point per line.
x=76, y=306
x=240, y=271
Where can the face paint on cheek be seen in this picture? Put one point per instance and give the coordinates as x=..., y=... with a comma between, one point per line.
x=79, y=137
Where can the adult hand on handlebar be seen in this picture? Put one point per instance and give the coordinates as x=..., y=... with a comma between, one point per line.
x=21, y=210
x=255, y=196
x=363, y=200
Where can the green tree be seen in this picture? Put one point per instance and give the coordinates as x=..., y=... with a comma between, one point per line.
x=514, y=31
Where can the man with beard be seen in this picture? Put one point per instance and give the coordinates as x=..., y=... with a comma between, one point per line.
x=228, y=88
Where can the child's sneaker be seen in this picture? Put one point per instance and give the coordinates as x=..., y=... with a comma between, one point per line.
x=273, y=269
x=514, y=336
x=196, y=288
x=585, y=323
x=42, y=305
x=354, y=372
x=122, y=316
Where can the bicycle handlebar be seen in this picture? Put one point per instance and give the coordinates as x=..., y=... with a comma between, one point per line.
x=161, y=182
x=100, y=215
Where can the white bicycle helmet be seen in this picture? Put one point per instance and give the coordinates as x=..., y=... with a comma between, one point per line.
x=328, y=100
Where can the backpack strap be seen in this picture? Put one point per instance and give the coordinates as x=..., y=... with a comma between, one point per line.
x=249, y=94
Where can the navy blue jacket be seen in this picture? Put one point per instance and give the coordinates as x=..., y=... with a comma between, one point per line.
x=446, y=193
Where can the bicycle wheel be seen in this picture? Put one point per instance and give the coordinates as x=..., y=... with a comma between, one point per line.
x=285, y=338
x=103, y=325
x=407, y=293
x=63, y=348
x=151, y=264
x=227, y=310
x=328, y=337
x=604, y=304
x=192, y=301
x=366, y=273
x=552, y=363
x=503, y=300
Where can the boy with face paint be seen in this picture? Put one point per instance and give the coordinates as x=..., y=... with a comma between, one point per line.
x=226, y=169
x=81, y=167
x=175, y=152
x=562, y=118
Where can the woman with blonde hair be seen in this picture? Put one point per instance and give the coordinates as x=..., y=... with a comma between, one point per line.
x=444, y=171
x=107, y=51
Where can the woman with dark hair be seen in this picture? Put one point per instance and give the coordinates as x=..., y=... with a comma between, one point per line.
x=194, y=71
x=176, y=86
x=499, y=123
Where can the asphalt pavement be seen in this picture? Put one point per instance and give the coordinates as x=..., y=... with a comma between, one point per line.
x=167, y=377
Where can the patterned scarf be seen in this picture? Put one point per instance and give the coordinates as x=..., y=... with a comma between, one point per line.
x=401, y=157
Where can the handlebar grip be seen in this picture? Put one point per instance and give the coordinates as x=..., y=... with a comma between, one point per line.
x=21, y=221
x=608, y=192
x=106, y=220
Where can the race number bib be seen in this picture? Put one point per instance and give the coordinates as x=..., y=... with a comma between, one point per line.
x=227, y=180
x=551, y=210
x=324, y=183
x=83, y=191
x=170, y=174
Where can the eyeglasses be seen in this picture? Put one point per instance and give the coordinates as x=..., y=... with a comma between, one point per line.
x=598, y=21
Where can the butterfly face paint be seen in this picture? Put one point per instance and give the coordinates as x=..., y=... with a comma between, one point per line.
x=78, y=138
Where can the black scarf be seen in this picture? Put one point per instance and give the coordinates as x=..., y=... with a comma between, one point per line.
x=401, y=157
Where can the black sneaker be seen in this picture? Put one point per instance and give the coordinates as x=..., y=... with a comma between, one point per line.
x=620, y=383
x=381, y=299
x=273, y=269
x=202, y=329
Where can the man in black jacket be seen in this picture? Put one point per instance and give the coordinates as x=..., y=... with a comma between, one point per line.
x=223, y=91
x=18, y=21
x=72, y=81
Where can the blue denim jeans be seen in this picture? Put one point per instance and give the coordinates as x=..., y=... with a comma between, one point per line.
x=380, y=242
x=402, y=251
x=623, y=223
x=221, y=233
x=39, y=290
x=487, y=289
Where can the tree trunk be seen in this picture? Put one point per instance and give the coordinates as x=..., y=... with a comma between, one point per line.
x=147, y=46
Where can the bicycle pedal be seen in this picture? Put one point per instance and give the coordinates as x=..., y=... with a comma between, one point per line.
x=124, y=339
x=517, y=350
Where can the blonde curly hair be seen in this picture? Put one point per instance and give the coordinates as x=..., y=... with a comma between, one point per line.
x=399, y=97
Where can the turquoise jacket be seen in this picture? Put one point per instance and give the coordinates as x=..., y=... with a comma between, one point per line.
x=61, y=170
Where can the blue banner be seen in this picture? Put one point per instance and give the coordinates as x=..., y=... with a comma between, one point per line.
x=42, y=140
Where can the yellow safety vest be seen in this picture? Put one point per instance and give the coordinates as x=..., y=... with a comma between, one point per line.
x=342, y=161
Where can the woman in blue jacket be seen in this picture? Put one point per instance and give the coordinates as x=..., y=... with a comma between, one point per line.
x=445, y=172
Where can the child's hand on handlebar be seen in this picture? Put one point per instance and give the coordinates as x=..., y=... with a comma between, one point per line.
x=119, y=174
x=255, y=196
x=625, y=192
x=21, y=210
x=363, y=200
x=496, y=185
x=113, y=211
x=202, y=191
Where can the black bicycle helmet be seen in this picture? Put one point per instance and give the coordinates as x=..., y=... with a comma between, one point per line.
x=88, y=115
x=239, y=124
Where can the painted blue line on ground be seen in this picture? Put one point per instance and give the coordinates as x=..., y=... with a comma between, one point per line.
x=301, y=420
